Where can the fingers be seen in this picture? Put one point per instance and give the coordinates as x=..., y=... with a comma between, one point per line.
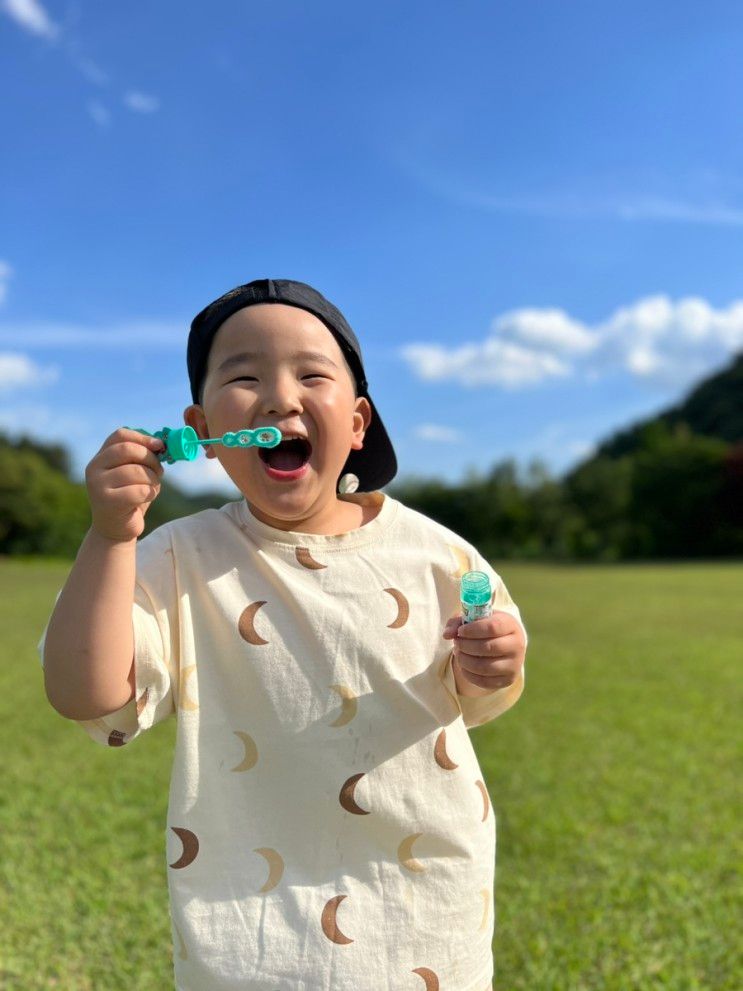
x=130, y=474
x=127, y=460
x=452, y=625
x=503, y=669
x=491, y=682
x=123, y=479
x=497, y=624
x=491, y=648
x=129, y=447
x=489, y=651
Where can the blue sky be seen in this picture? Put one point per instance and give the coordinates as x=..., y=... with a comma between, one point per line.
x=531, y=214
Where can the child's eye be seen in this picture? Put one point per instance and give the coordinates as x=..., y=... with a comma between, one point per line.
x=315, y=375
x=244, y=378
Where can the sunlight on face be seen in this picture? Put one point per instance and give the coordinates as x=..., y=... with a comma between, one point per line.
x=278, y=365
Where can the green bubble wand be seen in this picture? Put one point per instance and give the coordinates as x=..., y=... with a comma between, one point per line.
x=183, y=444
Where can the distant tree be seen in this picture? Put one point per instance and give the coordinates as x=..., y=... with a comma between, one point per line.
x=41, y=511
x=677, y=502
x=554, y=525
x=731, y=500
x=55, y=455
x=599, y=493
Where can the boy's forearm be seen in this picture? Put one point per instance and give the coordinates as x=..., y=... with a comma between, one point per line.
x=89, y=647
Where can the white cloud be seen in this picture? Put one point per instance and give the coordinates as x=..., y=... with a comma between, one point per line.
x=656, y=208
x=6, y=273
x=31, y=16
x=628, y=208
x=141, y=103
x=438, y=434
x=134, y=333
x=551, y=329
x=580, y=449
x=693, y=201
x=19, y=371
x=493, y=362
x=42, y=422
x=100, y=114
x=655, y=340
x=92, y=72
x=696, y=207
x=670, y=343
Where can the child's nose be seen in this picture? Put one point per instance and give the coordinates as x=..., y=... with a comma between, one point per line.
x=282, y=398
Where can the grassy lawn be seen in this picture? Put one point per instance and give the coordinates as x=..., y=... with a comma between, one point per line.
x=615, y=780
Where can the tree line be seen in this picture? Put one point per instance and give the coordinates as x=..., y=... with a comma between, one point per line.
x=672, y=494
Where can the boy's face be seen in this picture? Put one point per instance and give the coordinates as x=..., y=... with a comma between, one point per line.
x=291, y=375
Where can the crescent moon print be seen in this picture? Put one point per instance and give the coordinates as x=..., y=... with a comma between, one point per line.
x=329, y=924
x=250, y=758
x=439, y=752
x=485, y=907
x=405, y=854
x=485, y=799
x=349, y=705
x=346, y=796
x=306, y=560
x=403, y=609
x=142, y=701
x=186, y=703
x=246, y=624
x=275, y=866
x=431, y=979
x=190, y=846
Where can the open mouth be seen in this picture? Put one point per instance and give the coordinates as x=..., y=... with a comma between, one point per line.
x=289, y=455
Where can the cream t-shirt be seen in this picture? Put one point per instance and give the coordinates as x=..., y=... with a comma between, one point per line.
x=329, y=828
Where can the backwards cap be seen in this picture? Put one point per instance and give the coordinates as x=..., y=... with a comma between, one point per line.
x=375, y=464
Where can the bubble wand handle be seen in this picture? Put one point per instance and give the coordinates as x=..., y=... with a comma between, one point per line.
x=183, y=444
x=475, y=596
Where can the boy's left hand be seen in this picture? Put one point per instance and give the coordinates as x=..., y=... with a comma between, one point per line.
x=489, y=653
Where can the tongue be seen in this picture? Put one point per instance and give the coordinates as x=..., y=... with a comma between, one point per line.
x=286, y=457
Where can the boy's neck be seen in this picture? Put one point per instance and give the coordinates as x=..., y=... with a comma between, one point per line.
x=349, y=512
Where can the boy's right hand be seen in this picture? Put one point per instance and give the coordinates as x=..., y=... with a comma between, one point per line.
x=122, y=480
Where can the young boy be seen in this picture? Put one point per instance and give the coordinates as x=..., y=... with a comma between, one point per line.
x=328, y=827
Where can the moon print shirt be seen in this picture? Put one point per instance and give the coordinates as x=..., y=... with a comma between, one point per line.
x=329, y=827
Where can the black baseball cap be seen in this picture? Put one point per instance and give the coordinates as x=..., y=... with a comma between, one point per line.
x=375, y=464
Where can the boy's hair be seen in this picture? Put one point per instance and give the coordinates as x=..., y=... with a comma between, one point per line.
x=375, y=464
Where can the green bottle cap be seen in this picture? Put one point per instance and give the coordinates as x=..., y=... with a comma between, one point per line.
x=475, y=588
x=183, y=444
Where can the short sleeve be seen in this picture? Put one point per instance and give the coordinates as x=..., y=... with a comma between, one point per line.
x=156, y=646
x=476, y=711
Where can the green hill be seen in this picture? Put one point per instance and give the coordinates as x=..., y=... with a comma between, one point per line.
x=714, y=408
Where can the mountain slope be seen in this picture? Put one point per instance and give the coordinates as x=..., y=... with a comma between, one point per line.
x=714, y=408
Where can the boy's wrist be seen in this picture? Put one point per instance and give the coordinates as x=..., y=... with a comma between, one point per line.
x=102, y=538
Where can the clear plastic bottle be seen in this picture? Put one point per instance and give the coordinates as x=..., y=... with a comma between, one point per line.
x=475, y=595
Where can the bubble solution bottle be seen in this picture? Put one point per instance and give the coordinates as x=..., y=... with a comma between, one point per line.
x=475, y=596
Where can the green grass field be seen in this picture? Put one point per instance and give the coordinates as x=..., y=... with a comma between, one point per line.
x=615, y=780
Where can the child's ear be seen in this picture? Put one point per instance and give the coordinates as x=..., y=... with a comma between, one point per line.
x=361, y=419
x=194, y=417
